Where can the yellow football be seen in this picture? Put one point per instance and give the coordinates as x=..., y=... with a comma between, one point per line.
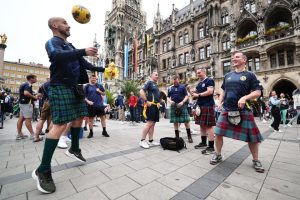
x=81, y=14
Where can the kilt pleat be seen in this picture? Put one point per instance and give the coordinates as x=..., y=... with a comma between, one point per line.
x=183, y=118
x=65, y=106
x=207, y=116
x=246, y=131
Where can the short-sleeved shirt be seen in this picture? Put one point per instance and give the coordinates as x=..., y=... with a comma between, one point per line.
x=25, y=87
x=44, y=89
x=177, y=93
x=152, y=91
x=94, y=96
x=236, y=85
x=202, y=87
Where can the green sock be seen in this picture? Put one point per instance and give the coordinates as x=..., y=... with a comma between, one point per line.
x=49, y=148
x=75, y=132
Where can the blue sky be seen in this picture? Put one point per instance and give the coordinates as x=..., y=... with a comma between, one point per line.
x=25, y=24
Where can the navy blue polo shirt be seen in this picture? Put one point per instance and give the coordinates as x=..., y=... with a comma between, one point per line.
x=152, y=91
x=236, y=85
x=177, y=93
x=202, y=87
x=25, y=87
x=92, y=94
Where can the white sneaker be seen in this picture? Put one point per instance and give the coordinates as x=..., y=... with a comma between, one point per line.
x=153, y=144
x=144, y=144
x=284, y=126
x=62, y=143
x=289, y=125
x=67, y=139
x=264, y=121
x=279, y=131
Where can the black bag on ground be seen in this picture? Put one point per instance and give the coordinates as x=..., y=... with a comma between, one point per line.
x=174, y=144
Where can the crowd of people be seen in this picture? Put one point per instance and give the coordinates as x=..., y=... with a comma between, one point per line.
x=70, y=96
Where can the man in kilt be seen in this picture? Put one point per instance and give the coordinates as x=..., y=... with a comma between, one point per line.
x=178, y=98
x=236, y=120
x=66, y=97
x=204, y=93
x=151, y=95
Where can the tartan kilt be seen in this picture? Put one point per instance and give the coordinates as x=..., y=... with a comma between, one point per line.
x=183, y=118
x=246, y=131
x=207, y=116
x=65, y=107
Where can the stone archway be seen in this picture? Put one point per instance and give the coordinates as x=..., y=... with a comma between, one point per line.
x=284, y=86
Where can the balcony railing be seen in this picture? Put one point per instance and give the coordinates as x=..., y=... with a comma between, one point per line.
x=247, y=43
x=279, y=34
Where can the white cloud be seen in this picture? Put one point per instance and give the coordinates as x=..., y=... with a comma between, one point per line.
x=25, y=24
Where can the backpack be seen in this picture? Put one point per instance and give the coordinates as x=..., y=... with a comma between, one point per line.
x=174, y=144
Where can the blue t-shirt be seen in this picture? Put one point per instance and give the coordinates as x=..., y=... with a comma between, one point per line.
x=25, y=87
x=94, y=96
x=202, y=87
x=152, y=91
x=236, y=85
x=177, y=93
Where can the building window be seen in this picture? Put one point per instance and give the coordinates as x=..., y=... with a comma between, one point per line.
x=164, y=46
x=201, y=54
x=180, y=39
x=208, y=51
x=281, y=58
x=226, y=67
x=169, y=44
x=181, y=59
x=169, y=63
x=226, y=45
x=164, y=79
x=6, y=74
x=13, y=75
x=201, y=32
x=205, y=28
x=164, y=64
x=13, y=68
x=250, y=64
x=6, y=67
x=257, y=63
x=225, y=19
x=186, y=57
x=273, y=60
x=186, y=37
x=151, y=50
x=290, y=57
x=249, y=5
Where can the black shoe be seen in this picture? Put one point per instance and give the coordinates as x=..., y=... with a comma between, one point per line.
x=85, y=128
x=44, y=181
x=78, y=156
x=47, y=131
x=208, y=150
x=90, y=135
x=105, y=134
x=200, y=146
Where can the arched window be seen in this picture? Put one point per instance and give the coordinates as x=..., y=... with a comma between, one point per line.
x=186, y=37
x=200, y=31
x=180, y=37
x=224, y=16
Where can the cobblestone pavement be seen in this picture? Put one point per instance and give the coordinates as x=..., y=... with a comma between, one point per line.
x=117, y=168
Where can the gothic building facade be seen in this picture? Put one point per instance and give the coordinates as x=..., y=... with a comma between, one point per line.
x=206, y=32
x=122, y=25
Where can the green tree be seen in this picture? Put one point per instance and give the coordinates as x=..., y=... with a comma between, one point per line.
x=110, y=97
x=128, y=86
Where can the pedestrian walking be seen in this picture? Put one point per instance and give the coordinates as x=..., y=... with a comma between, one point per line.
x=275, y=111
x=66, y=97
x=236, y=120
x=26, y=99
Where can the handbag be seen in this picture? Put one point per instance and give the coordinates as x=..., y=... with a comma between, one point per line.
x=79, y=92
x=234, y=117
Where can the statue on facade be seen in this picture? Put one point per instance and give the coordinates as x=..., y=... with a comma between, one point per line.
x=261, y=29
x=295, y=17
x=3, y=38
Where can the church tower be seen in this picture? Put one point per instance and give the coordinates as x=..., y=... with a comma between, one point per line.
x=123, y=24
